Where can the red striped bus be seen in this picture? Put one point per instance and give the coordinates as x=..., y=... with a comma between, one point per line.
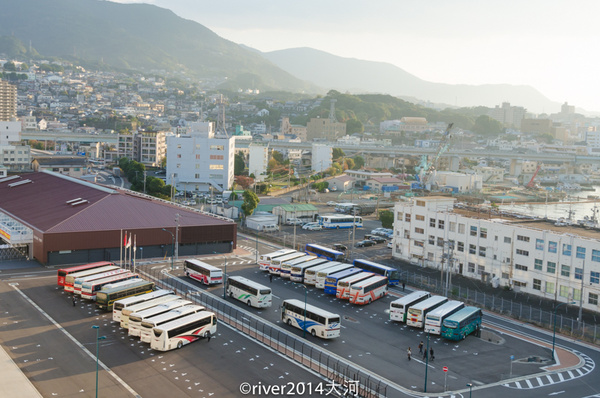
x=89, y=289
x=88, y=273
x=63, y=272
x=368, y=290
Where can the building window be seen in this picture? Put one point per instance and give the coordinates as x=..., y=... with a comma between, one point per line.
x=580, y=252
x=432, y=222
x=505, y=275
x=480, y=269
x=452, y=226
x=507, y=239
x=537, y=284
x=578, y=273
x=216, y=167
x=418, y=243
x=473, y=230
x=565, y=270
x=576, y=294
x=407, y=217
x=564, y=291
x=217, y=148
x=460, y=246
x=566, y=250
x=538, y=265
x=421, y=203
x=440, y=224
x=483, y=233
x=197, y=157
x=440, y=242
x=550, y=287
x=523, y=238
x=178, y=156
x=399, y=216
x=596, y=255
x=420, y=218
x=552, y=247
x=472, y=249
x=592, y=298
x=522, y=252
x=550, y=267
x=461, y=228
x=197, y=176
x=482, y=251
x=178, y=165
x=419, y=230
x=520, y=284
x=431, y=240
x=216, y=157
x=594, y=277
x=471, y=267
x=539, y=244
x=521, y=267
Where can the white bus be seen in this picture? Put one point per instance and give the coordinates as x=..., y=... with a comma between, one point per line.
x=322, y=275
x=70, y=278
x=186, y=330
x=252, y=293
x=150, y=323
x=312, y=319
x=310, y=275
x=369, y=290
x=136, y=318
x=286, y=267
x=344, y=285
x=435, y=318
x=417, y=312
x=297, y=273
x=203, y=272
x=121, y=304
x=78, y=282
x=337, y=221
x=275, y=267
x=132, y=309
x=90, y=288
x=399, y=307
x=264, y=261
x=345, y=207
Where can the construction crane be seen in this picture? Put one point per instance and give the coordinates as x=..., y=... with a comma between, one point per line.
x=426, y=167
x=531, y=184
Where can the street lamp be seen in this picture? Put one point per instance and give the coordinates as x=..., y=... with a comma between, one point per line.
x=426, y=363
x=554, y=333
x=305, y=296
x=470, y=385
x=172, y=246
x=98, y=338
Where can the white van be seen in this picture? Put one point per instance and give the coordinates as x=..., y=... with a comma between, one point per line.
x=270, y=228
x=293, y=221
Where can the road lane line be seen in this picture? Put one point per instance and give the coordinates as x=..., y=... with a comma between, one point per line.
x=77, y=343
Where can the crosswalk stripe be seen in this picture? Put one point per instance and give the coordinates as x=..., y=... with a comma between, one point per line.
x=550, y=379
x=560, y=376
x=539, y=381
x=529, y=383
x=570, y=374
x=580, y=372
x=518, y=384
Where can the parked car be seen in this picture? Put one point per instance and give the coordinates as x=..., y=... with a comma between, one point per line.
x=376, y=239
x=312, y=227
x=376, y=231
x=365, y=243
x=339, y=247
x=331, y=203
x=293, y=221
x=390, y=245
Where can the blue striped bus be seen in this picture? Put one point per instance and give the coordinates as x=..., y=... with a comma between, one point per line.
x=370, y=266
x=332, y=280
x=324, y=252
x=461, y=324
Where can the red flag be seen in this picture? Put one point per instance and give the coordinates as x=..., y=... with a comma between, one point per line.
x=128, y=244
x=125, y=239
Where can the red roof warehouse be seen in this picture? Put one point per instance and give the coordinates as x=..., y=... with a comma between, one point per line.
x=63, y=220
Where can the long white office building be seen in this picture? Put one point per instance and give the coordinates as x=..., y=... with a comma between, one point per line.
x=529, y=255
x=198, y=160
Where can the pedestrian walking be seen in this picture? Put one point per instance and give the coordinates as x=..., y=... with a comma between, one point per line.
x=431, y=357
x=421, y=347
x=408, y=353
x=270, y=278
x=425, y=355
x=403, y=286
x=208, y=336
x=73, y=298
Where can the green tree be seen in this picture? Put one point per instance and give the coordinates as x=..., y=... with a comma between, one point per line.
x=278, y=156
x=251, y=202
x=238, y=164
x=387, y=218
x=485, y=125
x=337, y=153
x=359, y=162
x=354, y=126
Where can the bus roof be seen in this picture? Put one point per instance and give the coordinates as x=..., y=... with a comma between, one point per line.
x=279, y=252
x=92, y=271
x=144, y=297
x=300, y=260
x=462, y=314
x=349, y=275
x=82, y=267
x=179, y=311
x=335, y=269
x=153, y=302
x=444, y=308
x=312, y=263
x=287, y=257
x=184, y=320
x=248, y=282
x=368, y=281
x=107, y=279
x=117, y=286
x=359, y=261
x=321, y=267
x=202, y=264
x=433, y=300
x=102, y=275
x=409, y=298
x=311, y=308
x=327, y=249
x=159, y=309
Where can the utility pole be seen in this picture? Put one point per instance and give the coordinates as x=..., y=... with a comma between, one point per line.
x=177, y=236
x=144, y=181
x=581, y=294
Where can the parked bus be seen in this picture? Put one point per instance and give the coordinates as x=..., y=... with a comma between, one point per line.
x=298, y=271
x=90, y=288
x=399, y=307
x=342, y=290
x=286, y=267
x=190, y=328
x=203, y=272
x=64, y=272
x=252, y=293
x=136, y=318
x=337, y=221
x=417, y=312
x=152, y=322
x=324, y=252
x=155, y=302
x=264, y=261
x=392, y=273
x=345, y=207
x=275, y=267
x=322, y=275
x=73, y=283
x=434, y=320
x=310, y=275
x=121, y=304
x=109, y=294
x=309, y=318
x=464, y=322
x=368, y=290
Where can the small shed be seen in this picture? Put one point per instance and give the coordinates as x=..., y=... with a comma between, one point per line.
x=301, y=210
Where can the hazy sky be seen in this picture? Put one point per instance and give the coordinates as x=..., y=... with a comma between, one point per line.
x=551, y=45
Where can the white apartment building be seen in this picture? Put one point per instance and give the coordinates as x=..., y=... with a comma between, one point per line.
x=146, y=147
x=322, y=157
x=198, y=160
x=13, y=156
x=258, y=160
x=531, y=256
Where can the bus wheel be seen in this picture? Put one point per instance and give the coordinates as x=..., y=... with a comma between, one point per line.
x=313, y=333
x=179, y=345
x=289, y=322
x=249, y=304
x=231, y=294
